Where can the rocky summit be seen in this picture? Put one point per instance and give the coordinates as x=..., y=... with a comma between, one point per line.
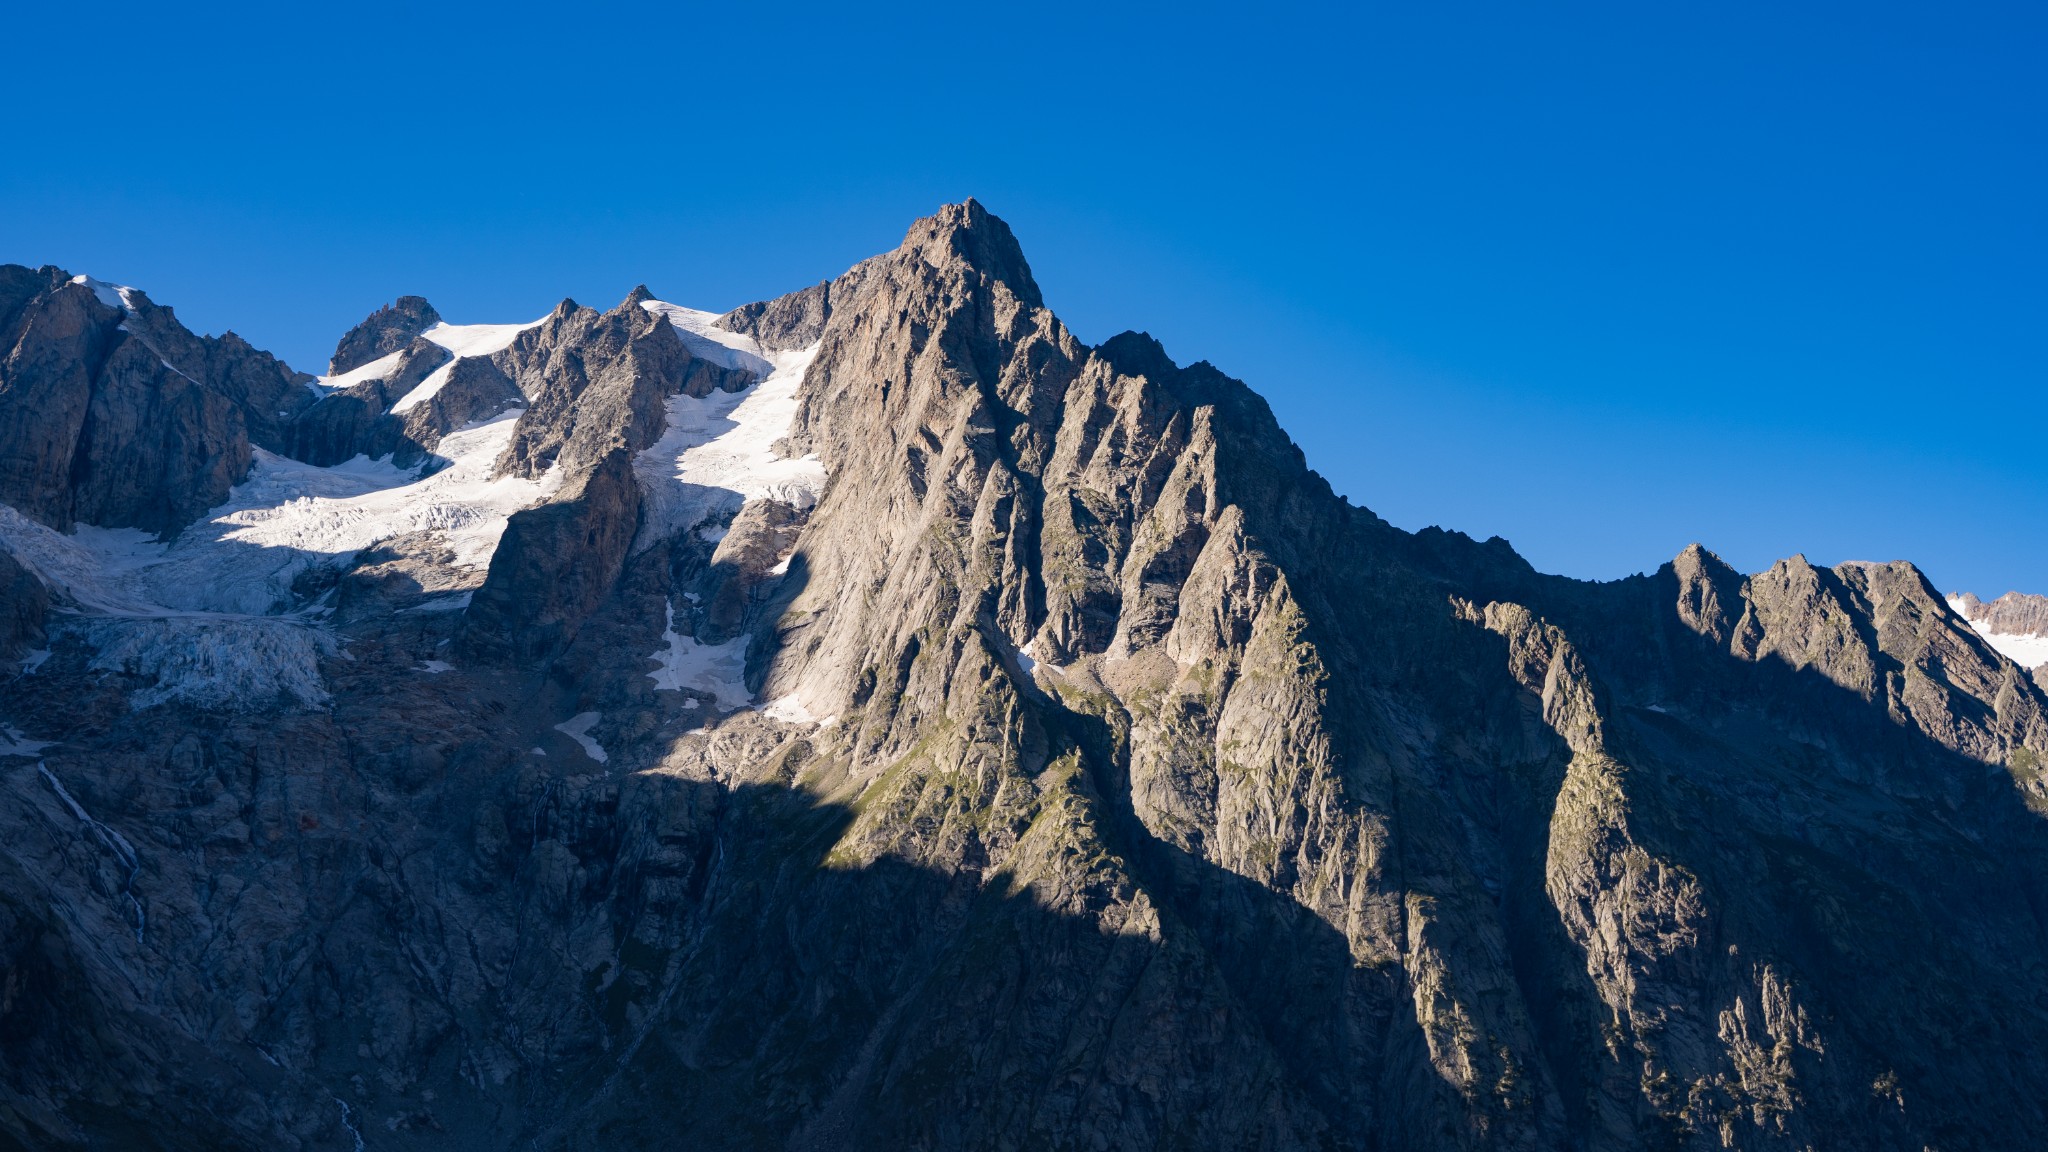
x=877, y=719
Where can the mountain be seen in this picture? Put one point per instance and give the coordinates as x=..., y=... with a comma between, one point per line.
x=875, y=718
x=2016, y=624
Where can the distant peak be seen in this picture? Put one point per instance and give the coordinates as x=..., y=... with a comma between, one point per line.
x=383, y=332
x=1697, y=557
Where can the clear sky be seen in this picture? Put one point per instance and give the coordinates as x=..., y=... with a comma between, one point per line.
x=1601, y=278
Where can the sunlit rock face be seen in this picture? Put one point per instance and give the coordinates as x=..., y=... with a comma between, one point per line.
x=874, y=718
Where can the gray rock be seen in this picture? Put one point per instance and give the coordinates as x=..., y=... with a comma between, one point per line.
x=383, y=332
x=596, y=382
x=58, y=342
x=555, y=566
x=94, y=395
x=357, y=420
x=2015, y=613
x=1166, y=800
x=792, y=321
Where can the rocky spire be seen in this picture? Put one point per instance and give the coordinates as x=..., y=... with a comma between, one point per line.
x=387, y=330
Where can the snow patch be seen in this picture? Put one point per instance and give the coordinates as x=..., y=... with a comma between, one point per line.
x=13, y=743
x=577, y=728
x=454, y=603
x=112, y=295
x=1028, y=660
x=33, y=660
x=791, y=710
x=477, y=339
x=707, y=341
x=435, y=666
x=465, y=341
x=717, y=670
x=378, y=369
x=719, y=451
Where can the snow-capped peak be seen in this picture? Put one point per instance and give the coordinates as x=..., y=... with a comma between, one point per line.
x=706, y=340
x=2028, y=650
x=112, y=295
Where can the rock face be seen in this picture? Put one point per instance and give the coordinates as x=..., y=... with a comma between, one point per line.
x=1078, y=771
x=383, y=332
x=792, y=321
x=599, y=382
x=2015, y=613
x=355, y=421
x=112, y=413
x=24, y=602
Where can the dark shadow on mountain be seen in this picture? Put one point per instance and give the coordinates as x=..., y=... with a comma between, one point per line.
x=768, y=995
x=1891, y=882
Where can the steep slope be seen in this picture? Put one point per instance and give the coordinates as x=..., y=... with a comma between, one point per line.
x=887, y=721
x=100, y=386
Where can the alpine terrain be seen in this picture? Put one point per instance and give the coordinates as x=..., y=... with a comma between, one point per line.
x=875, y=719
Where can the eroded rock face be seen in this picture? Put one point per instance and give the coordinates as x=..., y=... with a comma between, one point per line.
x=792, y=321
x=387, y=330
x=113, y=414
x=357, y=421
x=2015, y=613
x=555, y=566
x=1109, y=783
x=597, y=381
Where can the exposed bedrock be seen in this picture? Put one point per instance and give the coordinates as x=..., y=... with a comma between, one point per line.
x=1108, y=782
x=387, y=330
x=112, y=413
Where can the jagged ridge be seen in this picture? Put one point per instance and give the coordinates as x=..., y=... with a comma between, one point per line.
x=1125, y=788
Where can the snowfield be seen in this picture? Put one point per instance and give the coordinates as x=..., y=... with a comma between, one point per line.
x=217, y=615
x=463, y=340
x=211, y=615
x=285, y=519
x=705, y=340
x=112, y=295
x=2027, y=651
x=578, y=728
x=719, y=670
x=716, y=453
x=719, y=451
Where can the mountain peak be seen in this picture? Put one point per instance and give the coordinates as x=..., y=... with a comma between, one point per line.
x=387, y=330
x=945, y=646
x=967, y=233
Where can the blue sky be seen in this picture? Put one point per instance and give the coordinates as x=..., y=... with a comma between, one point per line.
x=1601, y=278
